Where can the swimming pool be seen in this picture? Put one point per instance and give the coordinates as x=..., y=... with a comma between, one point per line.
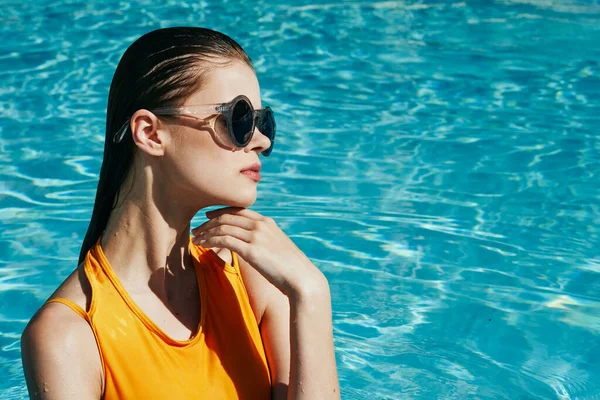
x=438, y=161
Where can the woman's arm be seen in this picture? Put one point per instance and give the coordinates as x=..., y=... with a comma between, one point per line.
x=313, y=373
x=296, y=324
x=311, y=342
x=60, y=356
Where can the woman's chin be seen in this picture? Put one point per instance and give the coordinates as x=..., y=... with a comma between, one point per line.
x=243, y=199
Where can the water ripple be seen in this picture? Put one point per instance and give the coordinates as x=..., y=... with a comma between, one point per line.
x=438, y=161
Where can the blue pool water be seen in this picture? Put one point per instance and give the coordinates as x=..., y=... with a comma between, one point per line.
x=439, y=161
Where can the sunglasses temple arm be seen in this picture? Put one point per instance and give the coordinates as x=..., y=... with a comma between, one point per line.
x=193, y=110
x=118, y=136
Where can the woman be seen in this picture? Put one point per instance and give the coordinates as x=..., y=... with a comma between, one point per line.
x=234, y=311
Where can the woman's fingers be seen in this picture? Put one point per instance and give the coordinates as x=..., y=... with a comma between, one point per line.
x=261, y=243
x=223, y=230
x=226, y=219
x=225, y=241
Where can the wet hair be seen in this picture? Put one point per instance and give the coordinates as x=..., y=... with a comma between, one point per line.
x=163, y=68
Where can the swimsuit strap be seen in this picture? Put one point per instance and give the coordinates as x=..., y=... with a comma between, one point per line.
x=80, y=311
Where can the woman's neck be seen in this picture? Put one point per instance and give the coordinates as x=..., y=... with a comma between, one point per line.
x=143, y=246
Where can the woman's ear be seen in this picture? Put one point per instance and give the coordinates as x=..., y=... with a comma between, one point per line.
x=145, y=133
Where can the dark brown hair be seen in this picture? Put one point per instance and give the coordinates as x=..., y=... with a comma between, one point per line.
x=160, y=69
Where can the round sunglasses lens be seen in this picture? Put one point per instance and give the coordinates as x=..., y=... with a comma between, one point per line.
x=242, y=120
x=267, y=127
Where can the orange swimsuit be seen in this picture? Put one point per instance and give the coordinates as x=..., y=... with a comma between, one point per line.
x=224, y=360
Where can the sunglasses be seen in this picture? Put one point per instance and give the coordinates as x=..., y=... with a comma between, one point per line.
x=240, y=118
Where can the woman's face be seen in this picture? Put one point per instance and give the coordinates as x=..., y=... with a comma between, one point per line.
x=200, y=163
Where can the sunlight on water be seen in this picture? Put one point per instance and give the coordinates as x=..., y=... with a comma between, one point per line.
x=438, y=161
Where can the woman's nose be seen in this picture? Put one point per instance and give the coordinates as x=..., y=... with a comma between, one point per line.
x=259, y=142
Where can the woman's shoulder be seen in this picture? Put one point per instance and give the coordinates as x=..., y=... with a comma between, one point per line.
x=55, y=317
x=75, y=288
x=261, y=292
x=57, y=340
x=56, y=326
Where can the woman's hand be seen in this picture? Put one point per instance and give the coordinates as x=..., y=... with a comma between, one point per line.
x=260, y=242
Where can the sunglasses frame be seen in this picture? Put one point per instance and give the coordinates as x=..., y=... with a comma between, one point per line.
x=225, y=109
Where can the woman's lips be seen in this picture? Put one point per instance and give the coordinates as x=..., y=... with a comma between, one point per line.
x=254, y=175
x=252, y=172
